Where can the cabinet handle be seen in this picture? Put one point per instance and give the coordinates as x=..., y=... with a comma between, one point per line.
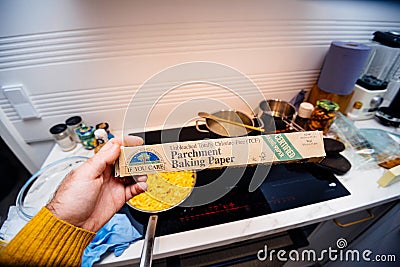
x=343, y=225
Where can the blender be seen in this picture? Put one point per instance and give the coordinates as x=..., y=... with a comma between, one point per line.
x=390, y=116
x=382, y=65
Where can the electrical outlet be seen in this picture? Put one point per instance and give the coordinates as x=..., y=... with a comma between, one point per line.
x=21, y=102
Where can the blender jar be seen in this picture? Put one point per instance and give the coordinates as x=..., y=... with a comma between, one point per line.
x=383, y=61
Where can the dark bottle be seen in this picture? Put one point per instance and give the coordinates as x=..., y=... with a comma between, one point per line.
x=303, y=115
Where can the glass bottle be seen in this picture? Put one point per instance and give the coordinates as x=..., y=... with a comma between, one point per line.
x=303, y=115
x=73, y=123
x=62, y=136
x=323, y=115
x=105, y=126
x=101, y=137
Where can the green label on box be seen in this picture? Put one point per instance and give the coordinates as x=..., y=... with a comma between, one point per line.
x=282, y=147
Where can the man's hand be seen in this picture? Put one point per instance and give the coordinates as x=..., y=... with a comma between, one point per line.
x=90, y=195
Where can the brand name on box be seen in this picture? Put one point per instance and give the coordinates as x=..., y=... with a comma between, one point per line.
x=199, y=158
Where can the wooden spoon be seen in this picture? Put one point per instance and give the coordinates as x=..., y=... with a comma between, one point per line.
x=212, y=117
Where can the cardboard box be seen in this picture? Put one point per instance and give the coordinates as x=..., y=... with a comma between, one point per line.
x=225, y=152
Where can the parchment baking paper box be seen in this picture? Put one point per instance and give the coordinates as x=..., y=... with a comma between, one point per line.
x=225, y=152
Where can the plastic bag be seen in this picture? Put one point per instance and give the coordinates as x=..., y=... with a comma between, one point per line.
x=359, y=151
x=386, y=146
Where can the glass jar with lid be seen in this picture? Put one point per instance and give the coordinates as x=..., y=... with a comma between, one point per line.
x=383, y=62
x=74, y=123
x=62, y=136
x=86, y=135
x=323, y=115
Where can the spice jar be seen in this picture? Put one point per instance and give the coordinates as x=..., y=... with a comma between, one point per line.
x=101, y=137
x=105, y=126
x=86, y=135
x=62, y=136
x=322, y=116
x=73, y=123
x=303, y=115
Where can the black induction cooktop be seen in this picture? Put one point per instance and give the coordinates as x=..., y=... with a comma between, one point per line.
x=286, y=186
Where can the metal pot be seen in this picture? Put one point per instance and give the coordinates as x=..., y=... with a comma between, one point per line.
x=276, y=115
x=226, y=129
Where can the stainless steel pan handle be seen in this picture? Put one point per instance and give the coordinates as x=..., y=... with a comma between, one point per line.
x=147, y=251
x=198, y=127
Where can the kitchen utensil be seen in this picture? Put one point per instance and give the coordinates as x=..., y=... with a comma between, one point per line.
x=277, y=115
x=334, y=161
x=333, y=146
x=212, y=117
x=224, y=128
x=39, y=188
x=147, y=251
x=382, y=63
x=381, y=67
x=370, y=101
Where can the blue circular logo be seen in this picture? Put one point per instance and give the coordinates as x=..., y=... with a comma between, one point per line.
x=145, y=157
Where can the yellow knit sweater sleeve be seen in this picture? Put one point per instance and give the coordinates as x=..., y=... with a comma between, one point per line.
x=47, y=241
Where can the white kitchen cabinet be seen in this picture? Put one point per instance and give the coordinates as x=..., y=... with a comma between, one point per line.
x=382, y=239
x=341, y=232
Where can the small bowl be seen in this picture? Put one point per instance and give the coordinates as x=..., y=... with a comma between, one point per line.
x=41, y=186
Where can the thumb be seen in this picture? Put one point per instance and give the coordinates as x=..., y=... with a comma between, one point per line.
x=109, y=153
x=135, y=189
x=106, y=156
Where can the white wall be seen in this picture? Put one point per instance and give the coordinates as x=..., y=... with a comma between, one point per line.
x=91, y=57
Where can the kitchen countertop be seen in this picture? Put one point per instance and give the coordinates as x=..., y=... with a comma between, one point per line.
x=360, y=182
